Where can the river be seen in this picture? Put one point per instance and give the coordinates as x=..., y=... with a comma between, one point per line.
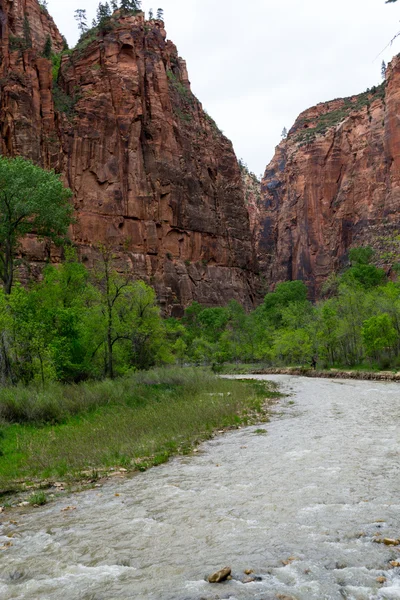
x=300, y=505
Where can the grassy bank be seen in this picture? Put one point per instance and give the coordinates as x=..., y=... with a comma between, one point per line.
x=66, y=432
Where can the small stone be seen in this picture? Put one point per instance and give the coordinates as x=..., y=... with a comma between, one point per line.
x=381, y=579
x=395, y=563
x=391, y=542
x=23, y=504
x=2, y=509
x=248, y=571
x=219, y=576
x=123, y=470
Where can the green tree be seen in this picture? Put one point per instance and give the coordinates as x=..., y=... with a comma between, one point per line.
x=379, y=335
x=361, y=255
x=27, y=33
x=160, y=14
x=48, y=46
x=81, y=18
x=285, y=293
x=151, y=14
x=130, y=5
x=32, y=201
x=103, y=13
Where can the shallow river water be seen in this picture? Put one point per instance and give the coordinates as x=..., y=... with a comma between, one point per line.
x=299, y=505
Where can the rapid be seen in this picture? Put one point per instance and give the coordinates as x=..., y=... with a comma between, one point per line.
x=300, y=504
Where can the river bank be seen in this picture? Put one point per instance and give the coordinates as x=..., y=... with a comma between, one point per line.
x=329, y=374
x=69, y=437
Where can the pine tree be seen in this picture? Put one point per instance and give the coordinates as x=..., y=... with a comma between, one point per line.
x=114, y=5
x=151, y=16
x=47, y=48
x=81, y=18
x=284, y=133
x=103, y=12
x=27, y=33
x=383, y=70
x=160, y=14
x=130, y=5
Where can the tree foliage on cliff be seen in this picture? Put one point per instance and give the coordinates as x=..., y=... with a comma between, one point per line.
x=32, y=201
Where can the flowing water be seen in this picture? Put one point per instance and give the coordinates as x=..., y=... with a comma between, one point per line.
x=300, y=505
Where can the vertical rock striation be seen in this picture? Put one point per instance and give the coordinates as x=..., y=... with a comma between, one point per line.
x=152, y=175
x=332, y=184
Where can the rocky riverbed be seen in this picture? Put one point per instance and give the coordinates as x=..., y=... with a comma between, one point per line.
x=294, y=512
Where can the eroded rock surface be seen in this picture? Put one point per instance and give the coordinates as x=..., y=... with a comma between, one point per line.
x=152, y=175
x=332, y=184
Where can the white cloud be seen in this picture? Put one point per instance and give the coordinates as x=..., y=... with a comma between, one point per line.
x=256, y=65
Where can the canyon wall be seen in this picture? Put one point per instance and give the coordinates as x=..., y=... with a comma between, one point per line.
x=333, y=183
x=152, y=176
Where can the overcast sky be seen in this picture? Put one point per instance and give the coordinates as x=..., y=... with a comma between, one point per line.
x=256, y=64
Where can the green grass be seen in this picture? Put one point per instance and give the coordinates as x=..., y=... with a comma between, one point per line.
x=135, y=422
x=38, y=499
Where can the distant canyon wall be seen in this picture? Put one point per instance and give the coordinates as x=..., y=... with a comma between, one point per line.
x=333, y=183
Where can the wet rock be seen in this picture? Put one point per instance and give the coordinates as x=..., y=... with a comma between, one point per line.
x=220, y=576
x=387, y=541
x=395, y=563
x=247, y=576
x=381, y=579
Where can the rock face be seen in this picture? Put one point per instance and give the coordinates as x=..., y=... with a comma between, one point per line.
x=152, y=176
x=252, y=195
x=332, y=184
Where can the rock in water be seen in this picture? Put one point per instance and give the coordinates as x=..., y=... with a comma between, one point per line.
x=220, y=576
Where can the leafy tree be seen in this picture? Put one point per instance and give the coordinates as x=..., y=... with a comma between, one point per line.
x=32, y=201
x=379, y=334
x=367, y=276
x=361, y=255
x=81, y=18
x=284, y=294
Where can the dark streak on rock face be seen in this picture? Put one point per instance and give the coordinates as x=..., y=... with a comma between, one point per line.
x=152, y=175
x=339, y=188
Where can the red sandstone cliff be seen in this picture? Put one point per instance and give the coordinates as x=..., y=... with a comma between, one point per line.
x=333, y=183
x=152, y=175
